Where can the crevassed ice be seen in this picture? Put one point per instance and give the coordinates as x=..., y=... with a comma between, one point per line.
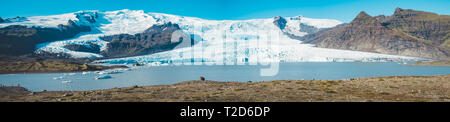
x=109, y=23
x=252, y=41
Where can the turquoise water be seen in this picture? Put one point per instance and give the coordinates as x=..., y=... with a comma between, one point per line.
x=160, y=75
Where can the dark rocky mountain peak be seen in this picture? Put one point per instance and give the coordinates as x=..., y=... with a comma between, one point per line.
x=364, y=19
x=155, y=39
x=279, y=22
x=362, y=15
x=399, y=12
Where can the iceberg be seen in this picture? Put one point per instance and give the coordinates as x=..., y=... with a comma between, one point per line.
x=103, y=77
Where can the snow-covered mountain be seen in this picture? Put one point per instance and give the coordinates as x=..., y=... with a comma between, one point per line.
x=216, y=40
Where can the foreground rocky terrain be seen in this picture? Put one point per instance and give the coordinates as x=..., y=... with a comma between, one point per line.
x=386, y=89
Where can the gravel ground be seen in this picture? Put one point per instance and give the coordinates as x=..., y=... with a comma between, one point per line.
x=385, y=89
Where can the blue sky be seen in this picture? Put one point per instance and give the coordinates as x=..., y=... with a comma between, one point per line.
x=343, y=10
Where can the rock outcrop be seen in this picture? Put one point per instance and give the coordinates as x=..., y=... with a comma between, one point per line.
x=19, y=40
x=407, y=33
x=279, y=22
x=155, y=39
x=89, y=47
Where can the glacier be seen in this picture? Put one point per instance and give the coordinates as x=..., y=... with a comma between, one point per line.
x=216, y=41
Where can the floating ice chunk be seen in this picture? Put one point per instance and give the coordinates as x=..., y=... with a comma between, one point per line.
x=66, y=81
x=101, y=72
x=57, y=78
x=84, y=73
x=69, y=73
x=103, y=77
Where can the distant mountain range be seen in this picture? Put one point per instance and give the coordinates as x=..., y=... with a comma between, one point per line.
x=130, y=35
x=407, y=32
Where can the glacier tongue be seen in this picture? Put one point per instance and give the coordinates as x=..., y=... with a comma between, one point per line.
x=107, y=23
x=248, y=41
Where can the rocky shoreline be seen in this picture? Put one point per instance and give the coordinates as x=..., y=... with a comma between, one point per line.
x=433, y=63
x=374, y=89
x=49, y=66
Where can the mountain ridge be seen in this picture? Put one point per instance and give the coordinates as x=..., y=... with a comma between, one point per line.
x=407, y=32
x=245, y=40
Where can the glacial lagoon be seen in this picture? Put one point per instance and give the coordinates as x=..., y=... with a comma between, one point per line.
x=163, y=75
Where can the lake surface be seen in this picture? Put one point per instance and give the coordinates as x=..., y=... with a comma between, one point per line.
x=161, y=75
